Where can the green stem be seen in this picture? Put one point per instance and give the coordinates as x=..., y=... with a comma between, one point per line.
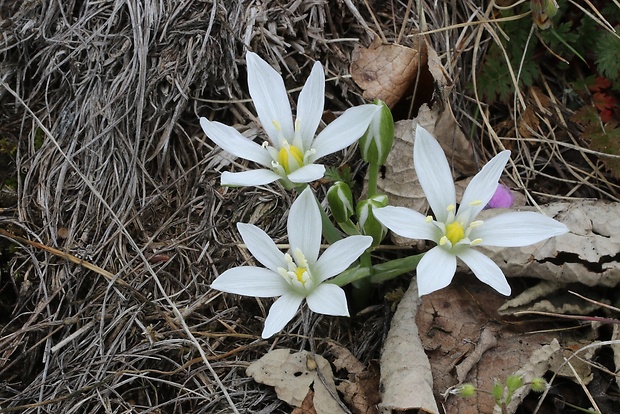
x=362, y=288
x=394, y=268
x=373, y=175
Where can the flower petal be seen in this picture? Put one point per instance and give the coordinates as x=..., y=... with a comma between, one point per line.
x=304, y=225
x=344, y=131
x=516, y=229
x=251, y=281
x=270, y=98
x=307, y=173
x=248, y=178
x=486, y=270
x=407, y=223
x=435, y=271
x=231, y=141
x=310, y=105
x=483, y=186
x=328, y=299
x=281, y=312
x=340, y=255
x=434, y=173
x=261, y=246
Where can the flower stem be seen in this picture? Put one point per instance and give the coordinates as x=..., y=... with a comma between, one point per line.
x=373, y=175
x=362, y=288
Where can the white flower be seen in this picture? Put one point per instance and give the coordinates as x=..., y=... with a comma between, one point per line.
x=296, y=275
x=292, y=149
x=457, y=231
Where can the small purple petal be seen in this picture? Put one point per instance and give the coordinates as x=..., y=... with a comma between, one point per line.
x=502, y=198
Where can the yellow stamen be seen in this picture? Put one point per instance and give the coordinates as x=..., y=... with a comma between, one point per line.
x=455, y=232
x=475, y=242
x=299, y=272
x=290, y=151
x=429, y=219
x=475, y=203
x=451, y=207
x=277, y=125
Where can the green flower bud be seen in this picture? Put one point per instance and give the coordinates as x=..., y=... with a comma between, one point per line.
x=498, y=392
x=466, y=390
x=367, y=222
x=376, y=143
x=539, y=384
x=513, y=383
x=340, y=201
x=543, y=11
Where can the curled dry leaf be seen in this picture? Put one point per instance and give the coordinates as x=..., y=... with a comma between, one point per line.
x=404, y=365
x=385, y=71
x=589, y=254
x=293, y=374
x=361, y=389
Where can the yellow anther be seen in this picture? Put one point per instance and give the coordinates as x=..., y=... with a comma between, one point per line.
x=443, y=240
x=451, y=207
x=429, y=219
x=455, y=232
x=475, y=242
x=475, y=203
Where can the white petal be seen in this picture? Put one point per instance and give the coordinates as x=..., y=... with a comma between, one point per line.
x=307, y=173
x=344, y=131
x=434, y=173
x=486, y=270
x=310, y=104
x=231, y=141
x=435, y=271
x=340, y=255
x=270, y=98
x=261, y=246
x=407, y=223
x=251, y=281
x=483, y=186
x=304, y=225
x=249, y=178
x=280, y=313
x=328, y=299
x=516, y=229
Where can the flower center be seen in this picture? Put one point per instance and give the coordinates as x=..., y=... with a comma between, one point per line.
x=297, y=274
x=290, y=157
x=455, y=232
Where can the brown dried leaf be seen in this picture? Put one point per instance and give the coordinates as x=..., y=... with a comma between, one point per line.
x=404, y=365
x=384, y=71
x=292, y=375
x=464, y=344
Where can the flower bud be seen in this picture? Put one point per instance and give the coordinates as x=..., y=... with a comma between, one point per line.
x=340, y=201
x=376, y=143
x=465, y=390
x=498, y=392
x=543, y=11
x=539, y=384
x=366, y=220
x=513, y=383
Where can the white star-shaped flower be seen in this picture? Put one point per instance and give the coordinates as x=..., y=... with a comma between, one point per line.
x=298, y=274
x=455, y=230
x=292, y=149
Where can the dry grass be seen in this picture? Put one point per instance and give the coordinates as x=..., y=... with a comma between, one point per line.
x=103, y=99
